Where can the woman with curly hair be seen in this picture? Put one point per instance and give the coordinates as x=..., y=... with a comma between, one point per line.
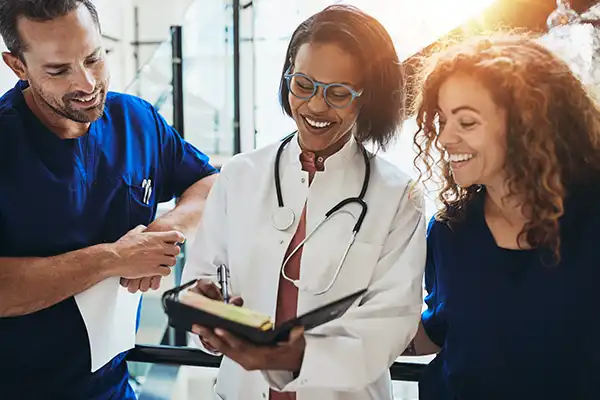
x=512, y=266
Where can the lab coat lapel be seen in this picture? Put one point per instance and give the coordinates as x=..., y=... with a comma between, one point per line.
x=267, y=256
x=342, y=178
x=335, y=183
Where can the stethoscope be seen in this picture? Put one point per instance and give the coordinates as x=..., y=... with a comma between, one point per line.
x=284, y=217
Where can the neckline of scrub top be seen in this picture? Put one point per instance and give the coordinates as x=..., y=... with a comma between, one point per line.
x=57, y=152
x=46, y=133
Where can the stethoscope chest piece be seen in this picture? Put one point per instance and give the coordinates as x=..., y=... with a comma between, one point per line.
x=283, y=218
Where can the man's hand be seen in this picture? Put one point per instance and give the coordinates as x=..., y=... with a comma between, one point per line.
x=140, y=254
x=146, y=283
x=285, y=356
x=184, y=218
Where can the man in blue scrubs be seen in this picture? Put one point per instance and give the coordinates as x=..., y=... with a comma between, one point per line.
x=81, y=172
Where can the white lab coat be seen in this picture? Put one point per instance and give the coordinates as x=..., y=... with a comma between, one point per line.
x=347, y=359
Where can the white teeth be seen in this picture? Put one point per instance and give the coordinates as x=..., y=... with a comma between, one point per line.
x=460, y=157
x=86, y=99
x=317, y=124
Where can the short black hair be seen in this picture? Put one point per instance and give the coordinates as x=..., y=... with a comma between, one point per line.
x=383, y=100
x=36, y=10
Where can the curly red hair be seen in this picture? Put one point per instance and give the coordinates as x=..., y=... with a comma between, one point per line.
x=553, y=138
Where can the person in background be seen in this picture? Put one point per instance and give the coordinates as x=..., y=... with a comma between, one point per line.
x=81, y=172
x=512, y=264
x=343, y=85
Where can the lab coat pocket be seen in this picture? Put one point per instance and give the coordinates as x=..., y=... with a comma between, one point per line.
x=141, y=205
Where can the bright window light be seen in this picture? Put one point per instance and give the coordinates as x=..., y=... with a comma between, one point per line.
x=415, y=24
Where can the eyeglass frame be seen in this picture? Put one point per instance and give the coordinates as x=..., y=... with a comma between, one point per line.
x=316, y=84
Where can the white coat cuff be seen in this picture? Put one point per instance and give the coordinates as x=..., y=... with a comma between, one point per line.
x=196, y=340
x=278, y=380
x=284, y=381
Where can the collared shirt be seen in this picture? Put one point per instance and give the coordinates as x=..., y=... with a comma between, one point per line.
x=60, y=195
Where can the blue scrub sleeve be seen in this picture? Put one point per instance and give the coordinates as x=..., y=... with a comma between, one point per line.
x=433, y=318
x=182, y=163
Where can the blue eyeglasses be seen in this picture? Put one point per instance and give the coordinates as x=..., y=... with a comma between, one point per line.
x=337, y=95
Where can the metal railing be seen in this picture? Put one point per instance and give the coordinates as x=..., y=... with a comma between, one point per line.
x=174, y=355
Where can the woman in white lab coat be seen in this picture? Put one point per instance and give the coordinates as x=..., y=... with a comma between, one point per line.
x=342, y=84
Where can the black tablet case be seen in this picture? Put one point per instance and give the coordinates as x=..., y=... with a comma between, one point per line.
x=182, y=316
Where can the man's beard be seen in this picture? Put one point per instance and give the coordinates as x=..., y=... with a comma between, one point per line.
x=64, y=109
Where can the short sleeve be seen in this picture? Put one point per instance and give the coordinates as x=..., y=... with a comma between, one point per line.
x=182, y=164
x=434, y=317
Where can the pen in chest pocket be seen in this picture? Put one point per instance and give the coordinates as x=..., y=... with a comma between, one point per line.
x=147, y=185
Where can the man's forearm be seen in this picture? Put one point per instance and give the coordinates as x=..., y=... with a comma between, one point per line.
x=31, y=284
x=187, y=214
x=184, y=218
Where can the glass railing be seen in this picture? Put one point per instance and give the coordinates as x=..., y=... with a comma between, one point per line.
x=207, y=73
x=207, y=109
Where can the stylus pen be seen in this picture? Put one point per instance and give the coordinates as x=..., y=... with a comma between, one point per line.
x=223, y=276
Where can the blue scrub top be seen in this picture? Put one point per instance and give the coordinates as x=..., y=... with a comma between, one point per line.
x=509, y=326
x=59, y=195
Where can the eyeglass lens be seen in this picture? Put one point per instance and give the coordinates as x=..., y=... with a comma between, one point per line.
x=336, y=95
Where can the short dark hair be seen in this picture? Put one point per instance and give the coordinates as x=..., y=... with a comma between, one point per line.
x=383, y=99
x=36, y=10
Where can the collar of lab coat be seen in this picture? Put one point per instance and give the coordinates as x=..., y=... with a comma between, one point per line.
x=334, y=161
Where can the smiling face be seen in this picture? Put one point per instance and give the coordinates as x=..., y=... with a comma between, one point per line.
x=472, y=131
x=319, y=125
x=64, y=63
